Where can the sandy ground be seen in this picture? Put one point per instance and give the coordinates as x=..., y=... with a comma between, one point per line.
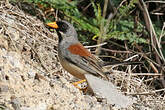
x=20, y=88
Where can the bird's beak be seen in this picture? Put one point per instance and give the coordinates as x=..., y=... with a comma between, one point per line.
x=52, y=25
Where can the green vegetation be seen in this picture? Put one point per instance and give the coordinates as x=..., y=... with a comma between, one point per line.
x=120, y=28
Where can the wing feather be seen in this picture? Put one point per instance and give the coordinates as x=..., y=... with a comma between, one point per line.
x=85, y=60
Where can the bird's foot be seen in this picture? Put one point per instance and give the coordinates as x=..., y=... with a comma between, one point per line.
x=82, y=84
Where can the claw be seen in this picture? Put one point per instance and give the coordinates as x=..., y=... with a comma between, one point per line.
x=82, y=84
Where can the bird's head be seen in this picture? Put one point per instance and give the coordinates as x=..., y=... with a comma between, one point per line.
x=64, y=30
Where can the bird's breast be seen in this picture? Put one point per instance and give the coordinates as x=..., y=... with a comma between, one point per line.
x=72, y=68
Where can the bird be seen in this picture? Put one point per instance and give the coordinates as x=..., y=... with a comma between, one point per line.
x=73, y=56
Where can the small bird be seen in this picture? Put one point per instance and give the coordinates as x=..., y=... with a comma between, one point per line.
x=74, y=58
x=77, y=60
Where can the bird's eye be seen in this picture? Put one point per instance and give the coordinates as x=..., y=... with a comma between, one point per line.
x=63, y=26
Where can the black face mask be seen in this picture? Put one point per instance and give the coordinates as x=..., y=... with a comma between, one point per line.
x=63, y=27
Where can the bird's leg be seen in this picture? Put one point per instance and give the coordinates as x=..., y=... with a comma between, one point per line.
x=79, y=84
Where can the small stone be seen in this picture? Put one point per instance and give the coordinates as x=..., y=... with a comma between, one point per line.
x=15, y=103
x=4, y=88
x=107, y=90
